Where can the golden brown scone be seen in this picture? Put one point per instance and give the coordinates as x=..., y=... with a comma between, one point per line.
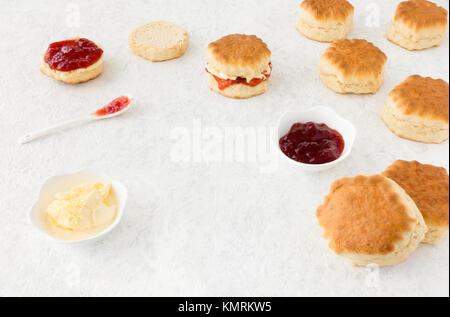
x=353, y=66
x=159, y=41
x=238, y=66
x=371, y=220
x=418, y=24
x=325, y=20
x=76, y=76
x=428, y=186
x=418, y=109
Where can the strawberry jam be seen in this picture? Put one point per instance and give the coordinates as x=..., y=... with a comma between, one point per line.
x=225, y=83
x=70, y=55
x=114, y=106
x=312, y=143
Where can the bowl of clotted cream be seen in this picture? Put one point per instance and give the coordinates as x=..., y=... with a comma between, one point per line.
x=79, y=207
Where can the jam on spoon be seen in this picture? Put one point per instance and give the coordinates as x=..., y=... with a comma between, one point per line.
x=114, y=106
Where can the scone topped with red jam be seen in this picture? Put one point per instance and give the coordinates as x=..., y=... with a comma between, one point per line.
x=238, y=66
x=73, y=61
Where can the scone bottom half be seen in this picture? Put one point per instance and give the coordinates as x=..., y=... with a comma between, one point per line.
x=73, y=60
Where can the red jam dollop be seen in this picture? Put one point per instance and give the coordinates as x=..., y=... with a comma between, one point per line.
x=312, y=143
x=69, y=55
x=225, y=83
x=114, y=106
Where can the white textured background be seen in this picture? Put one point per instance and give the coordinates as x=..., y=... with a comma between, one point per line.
x=191, y=228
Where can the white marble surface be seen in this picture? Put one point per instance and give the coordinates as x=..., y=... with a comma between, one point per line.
x=204, y=226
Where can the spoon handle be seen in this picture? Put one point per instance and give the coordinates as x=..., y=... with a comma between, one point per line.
x=40, y=133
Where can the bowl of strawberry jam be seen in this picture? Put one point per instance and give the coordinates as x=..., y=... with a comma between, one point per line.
x=315, y=139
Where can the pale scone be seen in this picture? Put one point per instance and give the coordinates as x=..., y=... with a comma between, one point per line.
x=325, y=20
x=418, y=24
x=353, y=66
x=159, y=41
x=418, y=109
x=371, y=220
x=238, y=66
x=428, y=186
x=73, y=61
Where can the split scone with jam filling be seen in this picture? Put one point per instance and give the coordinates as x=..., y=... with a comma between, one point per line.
x=238, y=66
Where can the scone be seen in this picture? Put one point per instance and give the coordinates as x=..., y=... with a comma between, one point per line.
x=428, y=186
x=238, y=66
x=73, y=61
x=353, y=66
x=418, y=24
x=159, y=41
x=418, y=109
x=325, y=20
x=371, y=220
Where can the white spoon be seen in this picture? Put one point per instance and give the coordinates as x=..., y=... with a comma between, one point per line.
x=115, y=108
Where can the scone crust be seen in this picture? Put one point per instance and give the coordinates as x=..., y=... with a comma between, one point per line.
x=238, y=91
x=325, y=21
x=238, y=55
x=353, y=66
x=421, y=14
x=159, y=41
x=371, y=219
x=326, y=10
x=76, y=76
x=428, y=186
x=423, y=97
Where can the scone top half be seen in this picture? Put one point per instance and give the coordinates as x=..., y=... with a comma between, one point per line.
x=428, y=186
x=371, y=220
x=239, y=56
x=325, y=20
x=353, y=66
x=420, y=16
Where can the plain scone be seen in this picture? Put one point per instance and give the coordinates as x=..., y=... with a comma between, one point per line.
x=418, y=24
x=159, y=41
x=325, y=20
x=418, y=109
x=371, y=220
x=353, y=66
x=428, y=186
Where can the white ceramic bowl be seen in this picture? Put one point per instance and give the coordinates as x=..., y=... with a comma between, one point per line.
x=319, y=115
x=62, y=183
